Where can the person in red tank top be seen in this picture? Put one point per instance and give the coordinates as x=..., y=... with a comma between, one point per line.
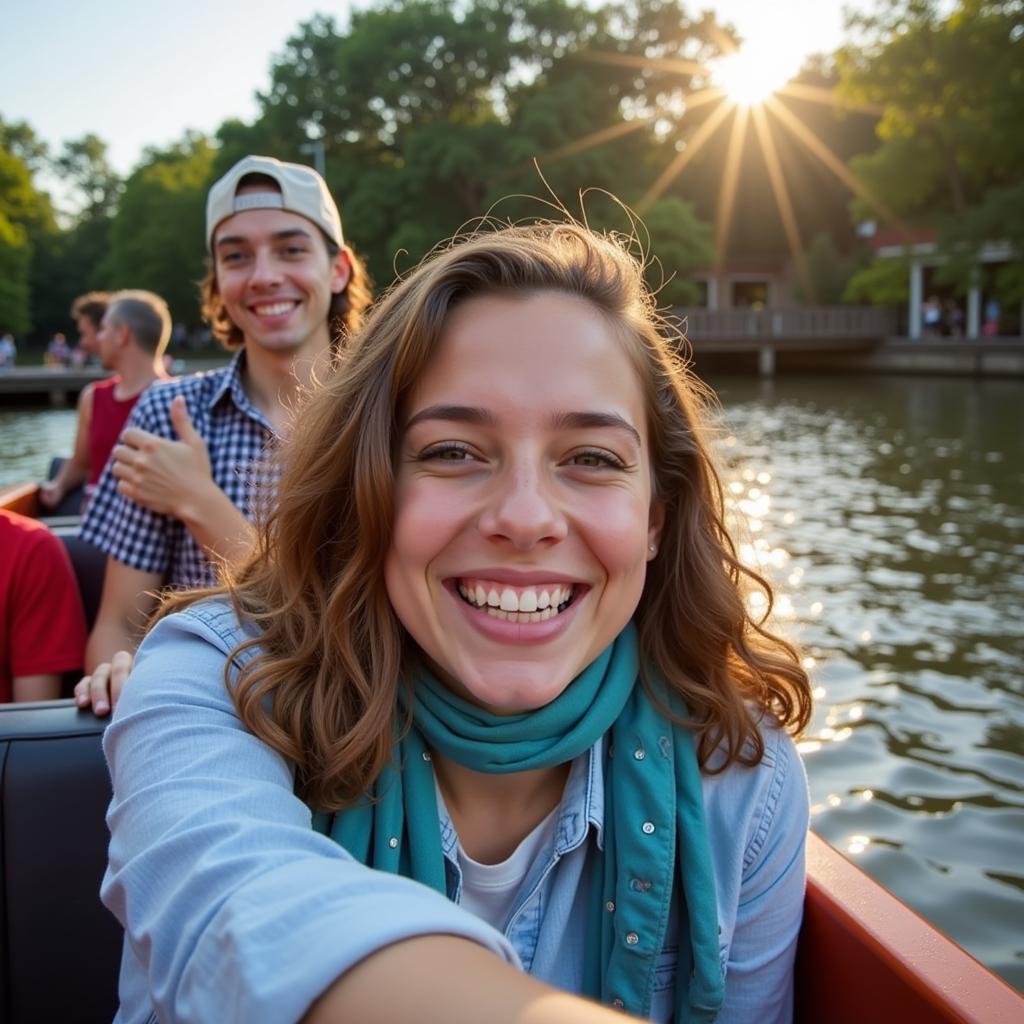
x=109, y=415
x=132, y=336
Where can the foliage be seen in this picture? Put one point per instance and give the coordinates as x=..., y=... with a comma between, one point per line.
x=828, y=270
x=951, y=152
x=430, y=112
x=952, y=86
x=25, y=214
x=156, y=236
x=884, y=282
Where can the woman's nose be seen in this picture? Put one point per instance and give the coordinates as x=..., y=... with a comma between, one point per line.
x=523, y=510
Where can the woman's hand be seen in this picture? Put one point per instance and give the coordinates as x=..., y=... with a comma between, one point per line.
x=102, y=689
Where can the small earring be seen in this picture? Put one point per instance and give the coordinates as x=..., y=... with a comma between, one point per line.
x=653, y=548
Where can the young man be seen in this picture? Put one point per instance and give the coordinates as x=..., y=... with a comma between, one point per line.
x=133, y=334
x=182, y=485
x=42, y=626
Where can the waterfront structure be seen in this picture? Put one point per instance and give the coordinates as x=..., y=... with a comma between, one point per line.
x=921, y=249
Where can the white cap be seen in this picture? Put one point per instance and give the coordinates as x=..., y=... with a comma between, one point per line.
x=303, y=191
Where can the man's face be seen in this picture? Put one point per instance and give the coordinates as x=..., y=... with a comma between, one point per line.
x=277, y=278
x=88, y=338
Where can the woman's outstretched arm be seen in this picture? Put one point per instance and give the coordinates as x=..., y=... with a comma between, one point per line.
x=441, y=979
x=234, y=909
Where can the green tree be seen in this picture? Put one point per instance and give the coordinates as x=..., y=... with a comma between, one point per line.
x=156, y=235
x=881, y=283
x=951, y=82
x=431, y=112
x=76, y=260
x=26, y=217
x=828, y=271
x=951, y=149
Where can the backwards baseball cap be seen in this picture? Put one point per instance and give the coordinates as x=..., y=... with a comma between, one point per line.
x=303, y=191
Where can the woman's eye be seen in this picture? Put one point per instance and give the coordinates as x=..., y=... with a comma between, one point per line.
x=596, y=460
x=294, y=250
x=447, y=453
x=232, y=257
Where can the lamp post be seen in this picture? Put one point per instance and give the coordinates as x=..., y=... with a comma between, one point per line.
x=315, y=147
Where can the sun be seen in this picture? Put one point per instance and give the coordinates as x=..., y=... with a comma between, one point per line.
x=749, y=76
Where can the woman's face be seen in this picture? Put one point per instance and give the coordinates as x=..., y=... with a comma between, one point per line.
x=523, y=499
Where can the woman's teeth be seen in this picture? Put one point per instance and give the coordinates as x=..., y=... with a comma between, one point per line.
x=521, y=604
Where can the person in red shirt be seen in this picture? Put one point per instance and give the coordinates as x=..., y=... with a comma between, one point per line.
x=132, y=337
x=42, y=625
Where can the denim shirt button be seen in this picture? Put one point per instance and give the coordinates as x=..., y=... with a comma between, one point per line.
x=648, y=828
x=392, y=842
x=639, y=753
x=632, y=938
x=610, y=906
x=618, y=1003
x=426, y=755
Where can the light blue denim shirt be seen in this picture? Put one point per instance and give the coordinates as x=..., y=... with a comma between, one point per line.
x=236, y=910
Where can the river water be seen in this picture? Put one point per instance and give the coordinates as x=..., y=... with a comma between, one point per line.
x=889, y=512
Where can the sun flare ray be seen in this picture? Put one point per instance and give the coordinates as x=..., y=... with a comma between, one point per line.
x=693, y=147
x=811, y=141
x=828, y=98
x=585, y=142
x=702, y=97
x=730, y=179
x=782, y=200
x=638, y=61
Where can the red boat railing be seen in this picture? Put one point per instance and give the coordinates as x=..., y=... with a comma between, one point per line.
x=866, y=956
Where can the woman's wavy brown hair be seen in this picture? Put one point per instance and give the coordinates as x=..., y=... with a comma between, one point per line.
x=322, y=685
x=344, y=317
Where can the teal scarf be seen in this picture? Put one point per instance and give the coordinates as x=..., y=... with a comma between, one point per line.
x=655, y=837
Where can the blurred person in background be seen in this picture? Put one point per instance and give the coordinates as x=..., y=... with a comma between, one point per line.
x=133, y=334
x=87, y=311
x=8, y=352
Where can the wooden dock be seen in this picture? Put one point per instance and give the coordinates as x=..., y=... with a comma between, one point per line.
x=836, y=339
x=57, y=385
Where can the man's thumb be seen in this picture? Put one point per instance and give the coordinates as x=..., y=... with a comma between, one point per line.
x=183, y=422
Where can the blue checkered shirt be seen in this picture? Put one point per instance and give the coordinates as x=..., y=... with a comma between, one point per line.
x=237, y=437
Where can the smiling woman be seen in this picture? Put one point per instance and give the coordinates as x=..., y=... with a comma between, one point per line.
x=489, y=673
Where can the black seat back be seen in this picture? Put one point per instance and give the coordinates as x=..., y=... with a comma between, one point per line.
x=60, y=947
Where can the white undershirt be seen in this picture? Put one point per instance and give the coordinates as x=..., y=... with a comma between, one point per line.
x=490, y=890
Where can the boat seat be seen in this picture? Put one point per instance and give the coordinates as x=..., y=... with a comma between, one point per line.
x=90, y=566
x=71, y=503
x=60, y=948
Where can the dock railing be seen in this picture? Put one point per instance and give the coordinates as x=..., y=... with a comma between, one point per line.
x=818, y=322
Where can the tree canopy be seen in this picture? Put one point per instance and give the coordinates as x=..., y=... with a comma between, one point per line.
x=431, y=115
x=950, y=151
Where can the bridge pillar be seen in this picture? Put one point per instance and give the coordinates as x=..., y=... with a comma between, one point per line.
x=916, y=299
x=974, y=310
x=766, y=361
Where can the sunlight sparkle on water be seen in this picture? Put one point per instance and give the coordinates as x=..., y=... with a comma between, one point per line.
x=858, y=844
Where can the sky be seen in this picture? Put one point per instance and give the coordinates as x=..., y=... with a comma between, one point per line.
x=140, y=72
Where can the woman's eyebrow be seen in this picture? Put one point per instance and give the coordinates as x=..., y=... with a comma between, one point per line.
x=590, y=420
x=479, y=417
x=453, y=414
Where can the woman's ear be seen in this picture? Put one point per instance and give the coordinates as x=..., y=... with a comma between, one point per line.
x=656, y=524
x=341, y=272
